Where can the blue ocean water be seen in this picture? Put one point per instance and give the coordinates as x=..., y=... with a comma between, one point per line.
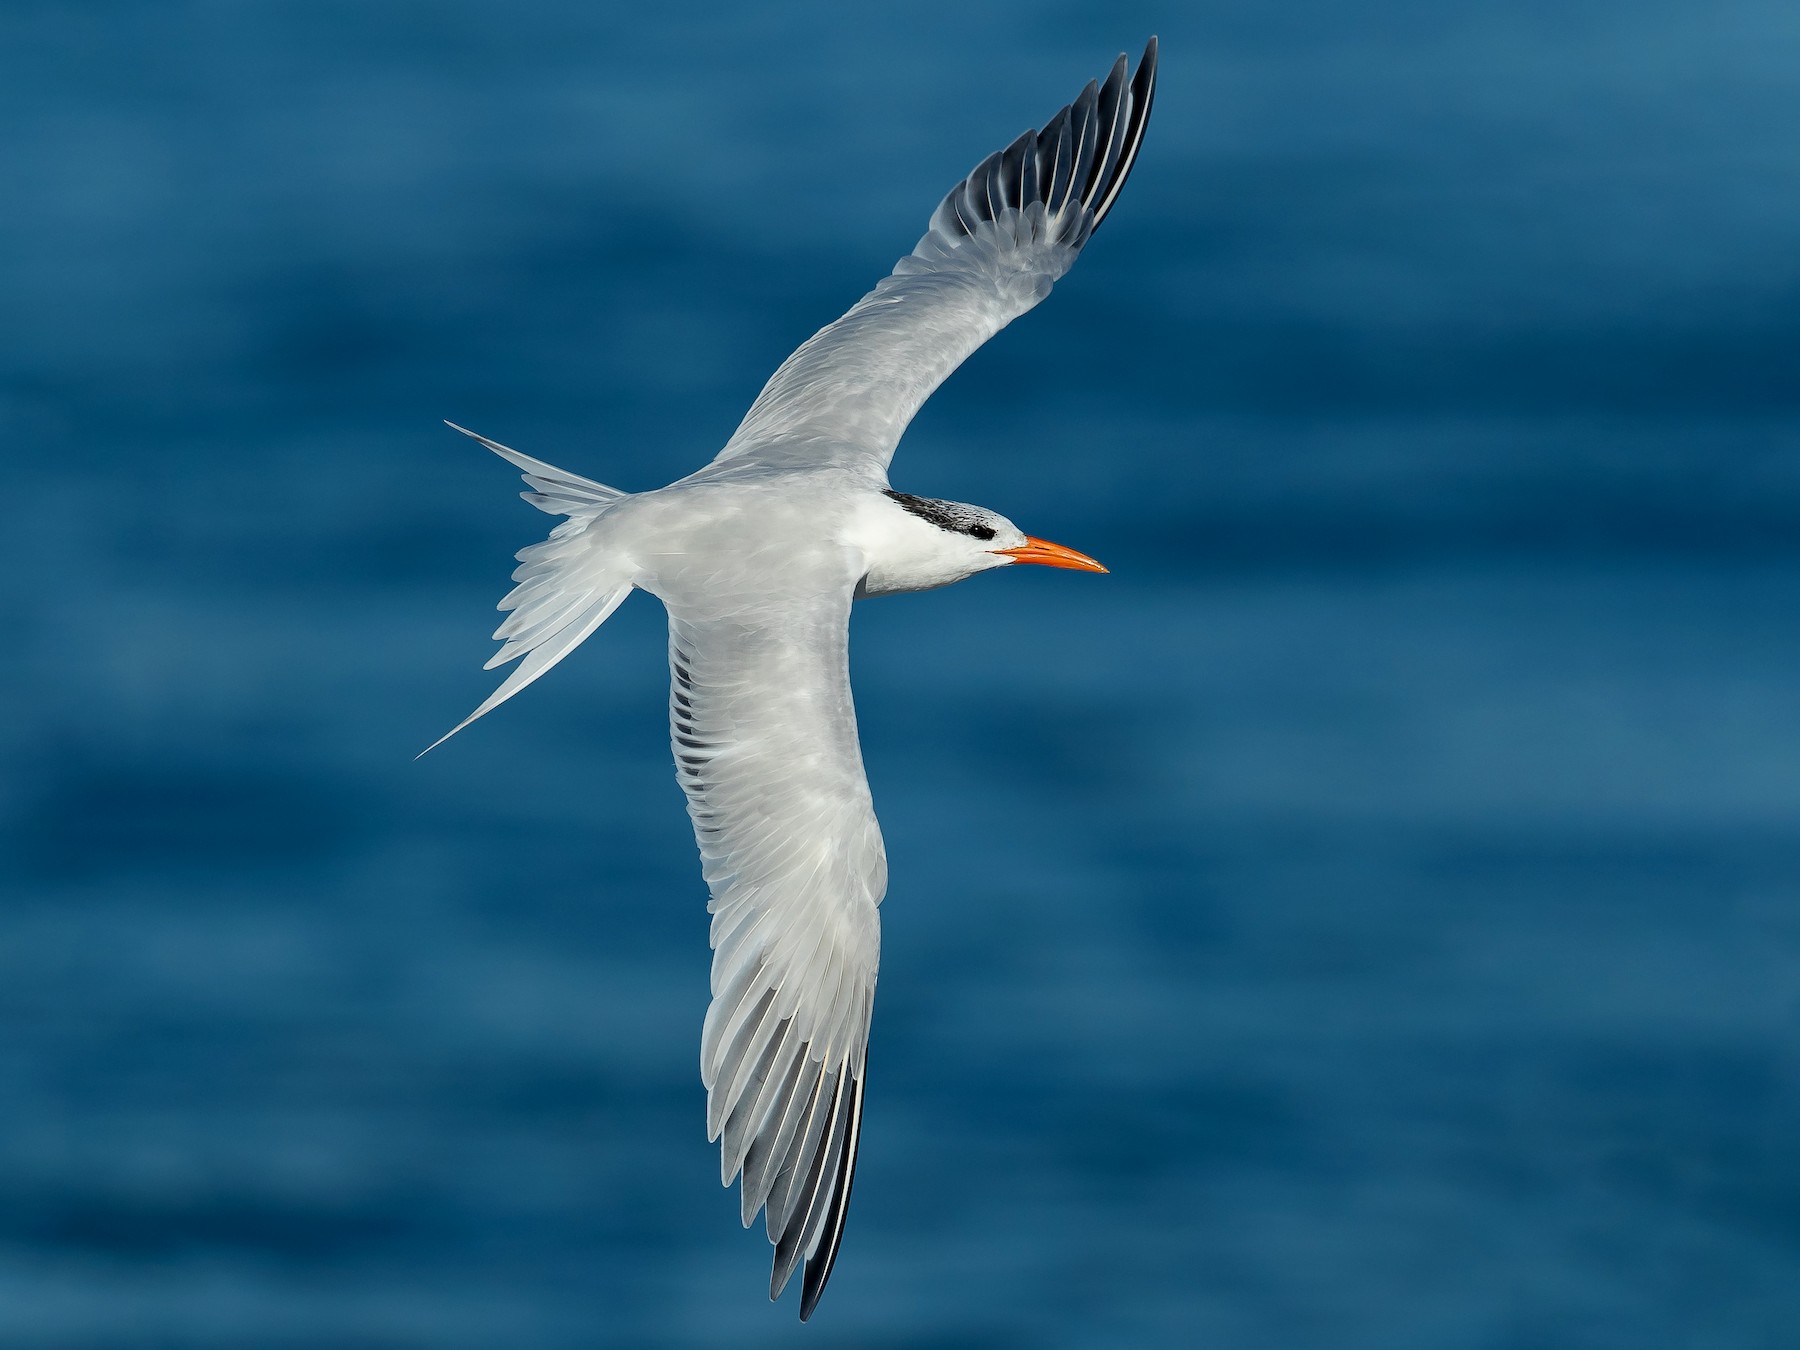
x=1369, y=918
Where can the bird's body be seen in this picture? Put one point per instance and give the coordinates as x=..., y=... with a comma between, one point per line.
x=757, y=558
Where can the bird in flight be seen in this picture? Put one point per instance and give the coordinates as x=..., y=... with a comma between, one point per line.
x=757, y=558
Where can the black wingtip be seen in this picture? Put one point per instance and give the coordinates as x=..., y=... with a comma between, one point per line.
x=818, y=1269
x=1082, y=156
x=1142, y=94
x=807, y=1210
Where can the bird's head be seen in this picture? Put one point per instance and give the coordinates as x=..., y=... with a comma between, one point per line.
x=922, y=543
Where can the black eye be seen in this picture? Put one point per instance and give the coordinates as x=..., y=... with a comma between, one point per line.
x=981, y=531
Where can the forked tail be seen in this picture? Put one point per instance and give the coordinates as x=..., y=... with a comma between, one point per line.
x=567, y=585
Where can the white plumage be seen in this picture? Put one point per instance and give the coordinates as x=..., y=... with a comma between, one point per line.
x=757, y=558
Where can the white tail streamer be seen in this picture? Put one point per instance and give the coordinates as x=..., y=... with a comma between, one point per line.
x=567, y=585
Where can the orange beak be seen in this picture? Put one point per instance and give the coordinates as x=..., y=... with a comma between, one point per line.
x=1050, y=555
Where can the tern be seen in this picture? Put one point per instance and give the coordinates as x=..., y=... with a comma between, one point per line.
x=757, y=558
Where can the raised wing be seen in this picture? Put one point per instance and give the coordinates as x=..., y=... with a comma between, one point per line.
x=765, y=746
x=995, y=246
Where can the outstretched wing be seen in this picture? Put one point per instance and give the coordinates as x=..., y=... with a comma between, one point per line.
x=995, y=246
x=765, y=747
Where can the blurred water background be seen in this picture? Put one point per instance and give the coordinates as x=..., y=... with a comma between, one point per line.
x=1367, y=919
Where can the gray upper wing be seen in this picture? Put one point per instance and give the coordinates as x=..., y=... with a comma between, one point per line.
x=995, y=246
x=766, y=749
